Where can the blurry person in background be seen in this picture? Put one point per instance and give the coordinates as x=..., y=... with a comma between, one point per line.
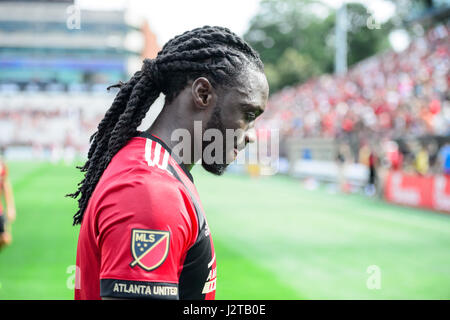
x=422, y=161
x=444, y=158
x=433, y=149
x=395, y=157
x=371, y=187
x=341, y=156
x=6, y=193
x=389, y=158
x=364, y=153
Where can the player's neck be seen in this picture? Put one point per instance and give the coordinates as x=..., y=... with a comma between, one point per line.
x=165, y=125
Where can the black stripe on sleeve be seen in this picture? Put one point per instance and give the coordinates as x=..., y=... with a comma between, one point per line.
x=127, y=289
x=200, y=216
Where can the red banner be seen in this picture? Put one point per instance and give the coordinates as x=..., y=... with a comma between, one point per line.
x=431, y=192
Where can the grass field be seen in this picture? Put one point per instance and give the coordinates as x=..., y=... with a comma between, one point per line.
x=273, y=240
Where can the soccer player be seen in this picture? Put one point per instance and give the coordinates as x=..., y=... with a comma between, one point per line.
x=5, y=192
x=144, y=233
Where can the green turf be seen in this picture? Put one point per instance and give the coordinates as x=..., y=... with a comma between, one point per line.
x=44, y=242
x=273, y=240
x=322, y=244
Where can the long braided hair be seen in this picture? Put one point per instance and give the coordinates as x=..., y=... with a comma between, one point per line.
x=212, y=52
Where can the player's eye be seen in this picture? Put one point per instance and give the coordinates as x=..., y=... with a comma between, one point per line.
x=250, y=116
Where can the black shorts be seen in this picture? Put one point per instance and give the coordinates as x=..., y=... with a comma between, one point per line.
x=2, y=223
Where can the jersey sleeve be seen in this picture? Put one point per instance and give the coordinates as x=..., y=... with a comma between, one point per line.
x=144, y=232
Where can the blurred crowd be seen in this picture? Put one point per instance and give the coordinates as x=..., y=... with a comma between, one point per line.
x=55, y=126
x=422, y=157
x=384, y=98
x=381, y=100
x=48, y=129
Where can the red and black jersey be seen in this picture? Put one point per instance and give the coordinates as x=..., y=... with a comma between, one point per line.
x=144, y=233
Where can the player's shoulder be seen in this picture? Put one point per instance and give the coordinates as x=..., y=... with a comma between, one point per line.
x=134, y=192
x=157, y=183
x=146, y=199
x=135, y=165
x=135, y=179
x=141, y=183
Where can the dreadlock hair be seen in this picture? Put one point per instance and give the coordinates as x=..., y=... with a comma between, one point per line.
x=212, y=52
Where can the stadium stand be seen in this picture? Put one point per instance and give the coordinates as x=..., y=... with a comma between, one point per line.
x=391, y=93
x=383, y=98
x=54, y=73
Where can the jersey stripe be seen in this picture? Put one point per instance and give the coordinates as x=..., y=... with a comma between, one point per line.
x=156, y=156
x=148, y=151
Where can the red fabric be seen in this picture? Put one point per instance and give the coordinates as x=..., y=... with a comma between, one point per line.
x=133, y=195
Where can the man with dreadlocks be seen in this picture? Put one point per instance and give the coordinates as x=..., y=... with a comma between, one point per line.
x=143, y=230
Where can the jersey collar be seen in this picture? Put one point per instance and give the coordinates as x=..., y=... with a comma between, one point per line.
x=147, y=135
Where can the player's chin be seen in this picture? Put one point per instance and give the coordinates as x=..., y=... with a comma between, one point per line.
x=215, y=168
x=218, y=166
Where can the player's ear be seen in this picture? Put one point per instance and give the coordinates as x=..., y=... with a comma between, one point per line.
x=203, y=93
